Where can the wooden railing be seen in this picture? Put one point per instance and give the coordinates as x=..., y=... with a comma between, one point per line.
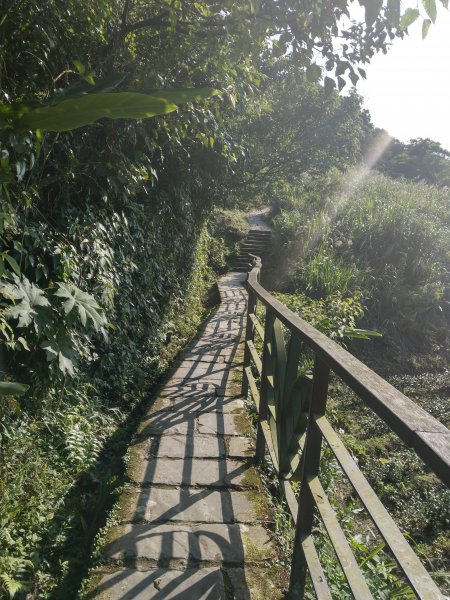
x=292, y=426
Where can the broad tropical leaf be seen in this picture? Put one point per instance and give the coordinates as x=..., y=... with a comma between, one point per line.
x=87, y=109
x=62, y=350
x=82, y=88
x=30, y=298
x=393, y=12
x=425, y=27
x=83, y=303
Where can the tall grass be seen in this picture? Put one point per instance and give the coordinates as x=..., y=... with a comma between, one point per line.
x=387, y=238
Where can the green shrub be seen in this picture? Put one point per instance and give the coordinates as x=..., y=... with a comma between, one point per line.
x=228, y=228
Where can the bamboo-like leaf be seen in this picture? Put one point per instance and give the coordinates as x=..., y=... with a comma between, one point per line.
x=12, y=262
x=85, y=110
x=430, y=8
x=362, y=334
x=425, y=27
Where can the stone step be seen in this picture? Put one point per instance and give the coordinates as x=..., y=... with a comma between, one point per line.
x=208, y=583
x=189, y=505
x=169, y=544
x=255, y=244
x=193, y=423
x=156, y=584
x=193, y=472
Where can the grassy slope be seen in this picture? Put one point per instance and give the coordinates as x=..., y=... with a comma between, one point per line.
x=389, y=240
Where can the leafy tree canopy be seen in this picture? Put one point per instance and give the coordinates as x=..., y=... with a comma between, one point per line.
x=418, y=160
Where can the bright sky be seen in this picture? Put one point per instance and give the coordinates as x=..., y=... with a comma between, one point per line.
x=407, y=90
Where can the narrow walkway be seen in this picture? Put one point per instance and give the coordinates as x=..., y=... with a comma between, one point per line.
x=192, y=516
x=257, y=219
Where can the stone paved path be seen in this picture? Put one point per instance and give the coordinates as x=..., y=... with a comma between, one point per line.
x=191, y=524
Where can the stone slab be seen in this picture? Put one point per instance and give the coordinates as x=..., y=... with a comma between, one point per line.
x=193, y=472
x=216, y=423
x=203, y=542
x=195, y=406
x=156, y=584
x=186, y=389
x=240, y=447
x=193, y=389
x=222, y=328
x=215, y=344
x=225, y=322
x=188, y=505
x=258, y=582
x=168, y=423
x=201, y=370
x=191, y=446
x=206, y=357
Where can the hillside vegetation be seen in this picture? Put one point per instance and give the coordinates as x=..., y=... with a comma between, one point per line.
x=387, y=239
x=368, y=250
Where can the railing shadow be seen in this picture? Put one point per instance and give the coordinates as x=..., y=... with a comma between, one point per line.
x=196, y=387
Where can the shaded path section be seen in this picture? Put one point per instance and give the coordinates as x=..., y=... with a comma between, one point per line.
x=191, y=521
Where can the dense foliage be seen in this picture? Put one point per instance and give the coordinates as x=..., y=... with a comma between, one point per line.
x=387, y=239
x=315, y=131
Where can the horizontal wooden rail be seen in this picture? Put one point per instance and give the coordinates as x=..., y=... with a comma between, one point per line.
x=292, y=428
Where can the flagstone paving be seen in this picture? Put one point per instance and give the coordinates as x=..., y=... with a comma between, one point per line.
x=191, y=523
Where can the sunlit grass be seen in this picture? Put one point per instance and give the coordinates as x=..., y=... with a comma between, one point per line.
x=388, y=238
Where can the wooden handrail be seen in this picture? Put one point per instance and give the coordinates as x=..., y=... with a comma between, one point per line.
x=292, y=426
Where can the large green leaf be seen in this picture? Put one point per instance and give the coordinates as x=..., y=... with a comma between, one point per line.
x=82, y=88
x=12, y=388
x=85, y=110
x=30, y=298
x=62, y=350
x=83, y=303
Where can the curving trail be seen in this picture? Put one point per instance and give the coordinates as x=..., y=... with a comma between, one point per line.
x=191, y=520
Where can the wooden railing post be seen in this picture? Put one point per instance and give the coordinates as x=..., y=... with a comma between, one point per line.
x=249, y=332
x=260, y=450
x=311, y=463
